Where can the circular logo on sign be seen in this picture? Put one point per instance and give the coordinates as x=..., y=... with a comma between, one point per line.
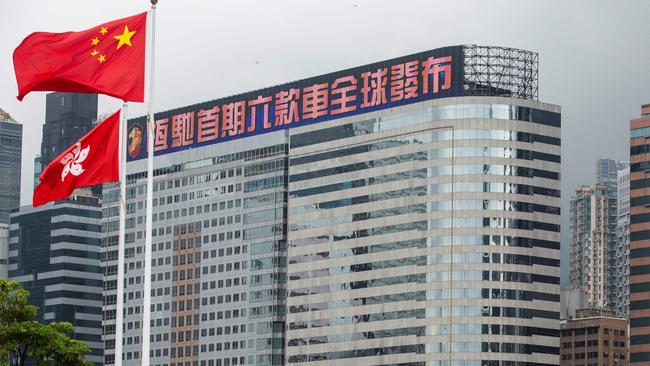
x=135, y=140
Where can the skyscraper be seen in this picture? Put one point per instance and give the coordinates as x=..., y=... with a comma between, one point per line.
x=640, y=238
x=219, y=256
x=54, y=249
x=68, y=116
x=622, y=251
x=427, y=234
x=11, y=136
x=592, y=237
x=11, y=144
x=403, y=212
x=55, y=255
x=607, y=170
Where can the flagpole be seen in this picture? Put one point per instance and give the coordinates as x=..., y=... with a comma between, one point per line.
x=146, y=296
x=119, y=303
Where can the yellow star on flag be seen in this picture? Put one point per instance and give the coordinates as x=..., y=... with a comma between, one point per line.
x=125, y=37
x=95, y=41
x=103, y=31
x=101, y=58
x=94, y=53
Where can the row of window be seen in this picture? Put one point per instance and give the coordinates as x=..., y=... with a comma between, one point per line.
x=438, y=258
x=591, y=343
x=427, y=137
x=177, y=213
x=265, y=167
x=494, y=311
x=426, y=115
x=591, y=330
x=439, y=188
x=434, y=154
x=191, y=180
x=428, y=277
x=437, y=205
x=583, y=355
x=429, y=330
x=249, y=155
x=421, y=260
x=435, y=241
x=517, y=348
x=190, y=196
x=246, y=234
x=422, y=208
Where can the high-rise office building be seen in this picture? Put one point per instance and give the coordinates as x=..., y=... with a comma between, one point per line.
x=427, y=234
x=219, y=260
x=640, y=238
x=68, y=116
x=592, y=237
x=622, y=249
x=54, y=249
x=54, y=252
x=11, y=136
x=11, y=145
x=404, y=212
x=607, y=170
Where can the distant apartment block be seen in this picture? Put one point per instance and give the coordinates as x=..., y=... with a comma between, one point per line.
x=622, y=249
x=592, y=236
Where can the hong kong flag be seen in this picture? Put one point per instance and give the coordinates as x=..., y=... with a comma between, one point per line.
x=94, y=159
x=106, y=59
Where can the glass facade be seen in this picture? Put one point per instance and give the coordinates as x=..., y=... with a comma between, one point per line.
x=68, y=117
x=426, y=234
x=218, y=257
x=11, y=144
x=11, y=137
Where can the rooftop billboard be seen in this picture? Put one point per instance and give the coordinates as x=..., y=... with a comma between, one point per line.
x=405, y=80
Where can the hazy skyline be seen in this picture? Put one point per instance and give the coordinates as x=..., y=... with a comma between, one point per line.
x=593, y=56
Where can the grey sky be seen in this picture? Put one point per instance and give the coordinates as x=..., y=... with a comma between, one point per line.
x=594, y=55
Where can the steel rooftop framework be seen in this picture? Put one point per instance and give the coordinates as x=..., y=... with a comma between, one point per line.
x=501, y=71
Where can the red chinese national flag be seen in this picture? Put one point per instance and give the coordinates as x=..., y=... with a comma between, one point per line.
x=94, y=159
x=106, y=59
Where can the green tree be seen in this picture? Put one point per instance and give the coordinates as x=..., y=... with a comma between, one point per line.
x=23, y=338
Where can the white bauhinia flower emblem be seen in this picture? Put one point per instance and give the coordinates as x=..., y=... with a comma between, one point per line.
x=72, y=161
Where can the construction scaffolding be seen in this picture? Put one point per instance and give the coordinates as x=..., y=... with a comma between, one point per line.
x=501, y=71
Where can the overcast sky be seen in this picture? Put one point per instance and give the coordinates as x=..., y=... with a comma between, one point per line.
x=594, y=56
